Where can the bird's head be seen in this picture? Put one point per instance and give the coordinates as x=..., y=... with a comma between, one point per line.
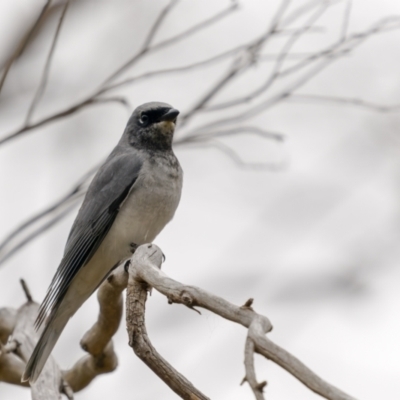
x=152, y=126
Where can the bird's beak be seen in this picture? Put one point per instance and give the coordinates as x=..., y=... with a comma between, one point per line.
x=170, y=115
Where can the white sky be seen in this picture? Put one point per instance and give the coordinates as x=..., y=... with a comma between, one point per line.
x=316, y=244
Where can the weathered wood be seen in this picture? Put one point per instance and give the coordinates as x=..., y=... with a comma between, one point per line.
x=8, y=319
x=49, y=384
x=145, y=267
x=97, y=340
x=138, y=339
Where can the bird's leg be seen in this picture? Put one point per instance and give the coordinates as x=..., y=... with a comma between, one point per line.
x=126, y=265
x=133, y=247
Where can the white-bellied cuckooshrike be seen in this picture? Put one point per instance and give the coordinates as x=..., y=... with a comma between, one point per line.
x=132, y=197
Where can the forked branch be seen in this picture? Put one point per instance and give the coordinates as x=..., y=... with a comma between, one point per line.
x=145, y=272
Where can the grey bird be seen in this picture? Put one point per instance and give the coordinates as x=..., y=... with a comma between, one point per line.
x=132, y=197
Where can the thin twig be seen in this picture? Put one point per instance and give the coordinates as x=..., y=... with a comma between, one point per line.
x=248, y=58
x=166, y=71
x=235, y=157
x=158, y=22
x=346, y=20
x=250, y=377
x=147, y=42
x=240, y=130
x=297, y=34
x=352, y=101
x=22, y=45
x=46, y=70
x=26, y=291
x=68, y=111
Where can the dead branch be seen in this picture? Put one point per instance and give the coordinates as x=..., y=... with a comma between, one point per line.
x=46, y=70
x=11, y=366
x=138, y=339
x=24, y=337
x=8, y=320
x=21, y=46
x=145, y=271
x=97, y=341
x=345, y=101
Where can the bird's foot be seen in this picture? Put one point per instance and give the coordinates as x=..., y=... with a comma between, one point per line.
x=126, y=265
x=133, y=247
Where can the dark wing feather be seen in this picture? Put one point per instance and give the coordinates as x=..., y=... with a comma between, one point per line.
x=106, y=193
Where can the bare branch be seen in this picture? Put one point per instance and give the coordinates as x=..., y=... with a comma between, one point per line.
x=345, y=101
x=241, y=63
x=209, y=134
x=61, y=114
x=166, y=71
x=250, y=371
x=297, y=34
x=48, y=385
x=147, y=42
x=346, y=20
x=158, y=22
x=46, y=70
x=45, y=219
x=26, y=290
x=167, y=42
x=145, y=265
x=22, y=45
x=11, y=369
x=234, y=156
x=138, y=339
x=8, y=319
x=97, y=340
x=197, y=27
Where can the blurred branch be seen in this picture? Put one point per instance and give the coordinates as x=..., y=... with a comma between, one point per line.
x=97, y=341
x=94, y=99
x=345, y=101
x=209, y=134
x=45, y=74
x=147, y=42
x=42, y=221
x=296, y=35
x=69, y=111
x=239, y=64
x=24, y=336
x=228, y=117
x=235, y=157
x=23, y=43
x=146, y=48
x=346, y=20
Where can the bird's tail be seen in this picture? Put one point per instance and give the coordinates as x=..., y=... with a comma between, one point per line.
x=44, y=346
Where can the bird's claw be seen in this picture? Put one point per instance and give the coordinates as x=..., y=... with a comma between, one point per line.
x=133, y=247
x=126, y=265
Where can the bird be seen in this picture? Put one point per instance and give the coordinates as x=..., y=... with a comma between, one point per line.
x=133, y=195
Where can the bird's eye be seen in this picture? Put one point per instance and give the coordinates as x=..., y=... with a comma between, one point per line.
x=144, y=120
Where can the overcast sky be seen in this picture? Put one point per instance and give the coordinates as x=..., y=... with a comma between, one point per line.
x=313, y=238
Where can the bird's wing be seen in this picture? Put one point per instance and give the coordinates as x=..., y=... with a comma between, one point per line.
x=108, y=190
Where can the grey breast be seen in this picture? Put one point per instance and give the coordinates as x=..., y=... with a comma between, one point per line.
x=152, y=202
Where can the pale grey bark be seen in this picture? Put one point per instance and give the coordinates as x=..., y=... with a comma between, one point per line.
x=144, y=273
